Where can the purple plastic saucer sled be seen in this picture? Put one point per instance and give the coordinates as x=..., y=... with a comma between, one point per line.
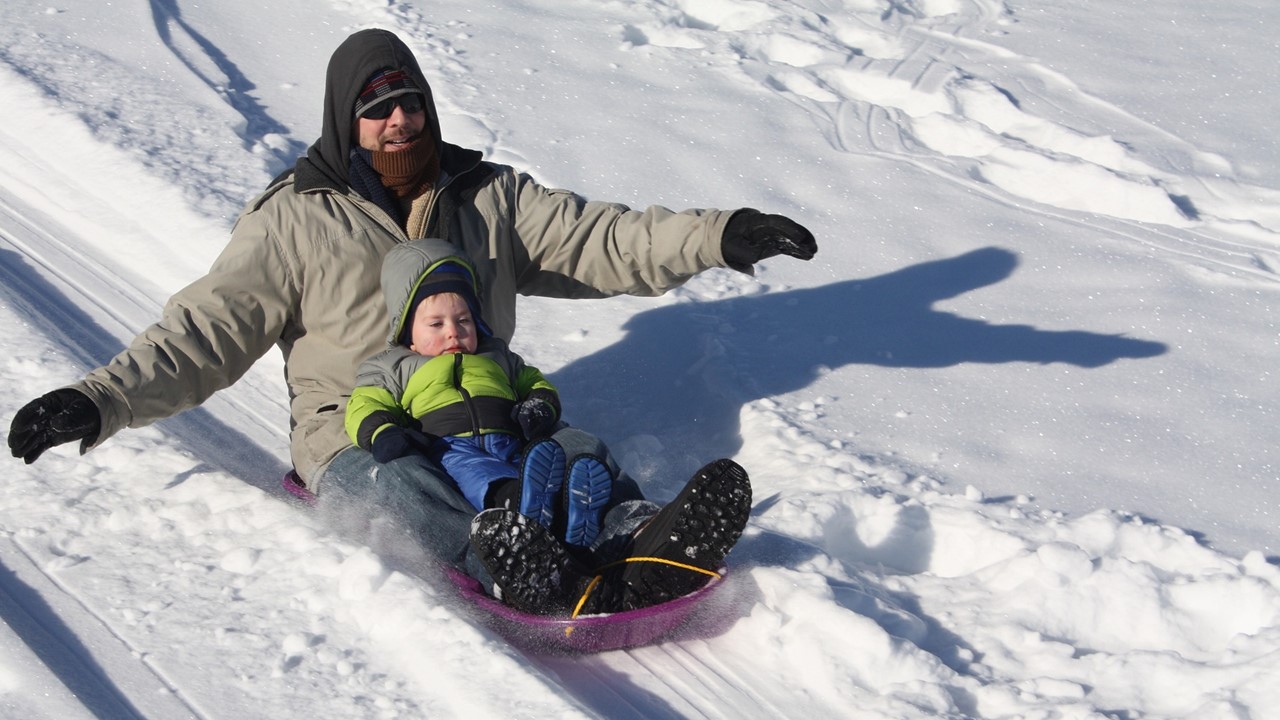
x=297, y=488
x=583, y=634
x=586, y=633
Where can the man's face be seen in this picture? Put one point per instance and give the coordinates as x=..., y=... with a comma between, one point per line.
x=394, y=133
x=442, y=324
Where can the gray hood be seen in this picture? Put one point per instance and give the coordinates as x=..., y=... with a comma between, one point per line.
x=423, y=267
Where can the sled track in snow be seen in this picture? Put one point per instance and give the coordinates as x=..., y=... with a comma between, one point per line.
x=676, y=679
x=47, y=296
x=98, y=669
x=90, y=313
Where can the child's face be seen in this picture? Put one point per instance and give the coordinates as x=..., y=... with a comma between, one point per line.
x=443, y=324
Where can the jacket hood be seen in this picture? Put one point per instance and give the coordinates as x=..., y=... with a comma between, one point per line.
x=358, y=57
x=415, y=269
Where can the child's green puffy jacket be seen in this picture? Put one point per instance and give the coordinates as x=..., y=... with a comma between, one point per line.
x=456, y=394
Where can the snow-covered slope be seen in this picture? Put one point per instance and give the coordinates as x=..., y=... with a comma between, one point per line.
x=1010, y=432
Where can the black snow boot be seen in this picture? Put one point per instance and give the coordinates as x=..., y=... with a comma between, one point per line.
x=532, y=570
x=682, y=547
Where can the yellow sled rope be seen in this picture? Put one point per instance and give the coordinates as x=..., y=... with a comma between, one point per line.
x=582, y=601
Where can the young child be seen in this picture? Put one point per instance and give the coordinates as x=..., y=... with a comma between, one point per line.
x=447, y=389
x=559, y=530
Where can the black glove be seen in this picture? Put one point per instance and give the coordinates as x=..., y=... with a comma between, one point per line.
x=396, y=442
x=52, y=419
x=537, y=415
x=751, y=236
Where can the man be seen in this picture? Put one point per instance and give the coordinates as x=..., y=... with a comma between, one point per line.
x=301, y=272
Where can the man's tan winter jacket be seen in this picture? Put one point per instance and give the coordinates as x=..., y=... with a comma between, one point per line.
x=301, y=272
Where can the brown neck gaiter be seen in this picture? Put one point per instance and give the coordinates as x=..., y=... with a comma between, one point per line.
x=408, y=173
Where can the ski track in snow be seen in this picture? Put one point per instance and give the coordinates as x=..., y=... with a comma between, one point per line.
x=861, y=588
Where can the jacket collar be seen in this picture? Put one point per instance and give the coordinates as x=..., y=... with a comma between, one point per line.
x=455, y=163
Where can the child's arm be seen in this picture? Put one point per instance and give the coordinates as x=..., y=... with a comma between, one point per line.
x=530, y=379
x=371, y=410
x=376, y=423
x=537, y=409
x=374, y=405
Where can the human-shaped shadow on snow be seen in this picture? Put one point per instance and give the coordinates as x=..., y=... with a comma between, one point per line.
x=683, y=372
x=228, y=82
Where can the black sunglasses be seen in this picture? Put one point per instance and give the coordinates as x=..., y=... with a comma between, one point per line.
x=411, y=102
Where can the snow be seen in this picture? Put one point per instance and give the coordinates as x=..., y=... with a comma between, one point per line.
x=1010, y=433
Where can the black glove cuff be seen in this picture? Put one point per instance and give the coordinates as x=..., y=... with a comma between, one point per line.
x=735, y=241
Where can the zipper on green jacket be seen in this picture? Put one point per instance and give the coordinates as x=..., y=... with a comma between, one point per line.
x=466, y=396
